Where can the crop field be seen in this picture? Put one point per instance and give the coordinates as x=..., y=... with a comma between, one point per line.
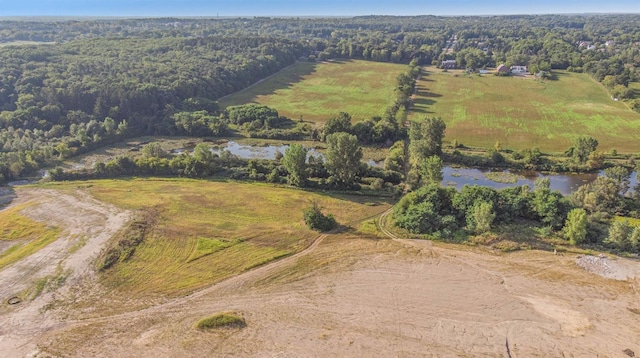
x=523, y=113
x=208, y=231
x=317, y=91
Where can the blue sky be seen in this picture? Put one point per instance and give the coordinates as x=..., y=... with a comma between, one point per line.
x=307, y=7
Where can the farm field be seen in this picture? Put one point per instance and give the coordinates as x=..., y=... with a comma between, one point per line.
x=208, y=231
x=317, y=91
x=523, y=113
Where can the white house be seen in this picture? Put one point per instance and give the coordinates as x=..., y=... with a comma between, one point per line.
x=518, y=69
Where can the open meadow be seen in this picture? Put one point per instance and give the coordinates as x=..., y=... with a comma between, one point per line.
x=524, y=113
x=202, y=232
x=317, y=91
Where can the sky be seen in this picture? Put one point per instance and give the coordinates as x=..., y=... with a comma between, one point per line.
x=308, y=7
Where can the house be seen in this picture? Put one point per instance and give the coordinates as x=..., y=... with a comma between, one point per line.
x=503, y=69
x=449, y=64
x=519, y=69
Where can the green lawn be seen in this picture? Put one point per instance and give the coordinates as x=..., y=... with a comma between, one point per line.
x=207, y=231
x=524, y=113
x=317, y=91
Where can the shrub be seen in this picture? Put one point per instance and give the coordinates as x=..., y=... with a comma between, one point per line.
x=316, y=220
x=220, y=320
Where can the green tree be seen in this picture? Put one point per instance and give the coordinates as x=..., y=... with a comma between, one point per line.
x=575, y=228
x=426, y=138
x=203, y=153
x=153, y=150
x=295, y=161
x=431, y=170
x=584, y=145
x=619, y=233
x=620, y=175
x=343, y=158
x=482, y=217
x=316, y=220
x=340, y=123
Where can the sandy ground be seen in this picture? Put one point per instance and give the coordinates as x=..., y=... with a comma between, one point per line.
x=350, y=296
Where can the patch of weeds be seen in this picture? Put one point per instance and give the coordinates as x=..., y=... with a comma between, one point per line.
x=507, y=246
x=221, y=320
x=206, y=246
x=502, y=177
x=48, y=284
x=131, y=237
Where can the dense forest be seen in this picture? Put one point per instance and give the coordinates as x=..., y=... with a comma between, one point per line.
x=98, y=81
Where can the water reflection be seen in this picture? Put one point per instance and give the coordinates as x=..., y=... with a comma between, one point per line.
x=269, y=152
x=564, y=183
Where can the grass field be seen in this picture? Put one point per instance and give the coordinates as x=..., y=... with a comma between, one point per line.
x=317, y=91
x=29, y=235
x=207, y=231
x=524, y=113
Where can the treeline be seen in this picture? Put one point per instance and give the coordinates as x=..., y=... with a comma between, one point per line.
x=593, y=215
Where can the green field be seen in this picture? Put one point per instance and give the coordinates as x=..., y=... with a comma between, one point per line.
x=317, y=91
x=208, y=231
x=525, y=113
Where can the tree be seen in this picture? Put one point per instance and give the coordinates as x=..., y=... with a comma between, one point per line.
x=341, y=123
x=619, y=233
x=620, y=175
x=584, y=145
x=482, y=218
x=153, y=150
x=316, y=220
x=203, y=153
x=575, y=228
x=343, y=158
x=295, y=161
x=431, y=170
x=426, y=138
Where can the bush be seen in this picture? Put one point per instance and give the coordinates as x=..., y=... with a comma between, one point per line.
x=220, y=320
x=316, y=220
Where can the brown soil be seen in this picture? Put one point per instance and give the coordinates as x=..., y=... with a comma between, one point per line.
x=351, y=295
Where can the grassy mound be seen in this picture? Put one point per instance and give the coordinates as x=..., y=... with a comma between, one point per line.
x=221, y=320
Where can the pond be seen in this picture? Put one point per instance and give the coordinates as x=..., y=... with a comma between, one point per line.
x=564, y=183
x=269, y=152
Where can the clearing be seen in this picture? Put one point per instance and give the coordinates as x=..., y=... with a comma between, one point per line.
x=524, y=113
x=318, y=91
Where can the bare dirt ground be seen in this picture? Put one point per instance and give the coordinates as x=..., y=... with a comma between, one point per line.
x=354, y=296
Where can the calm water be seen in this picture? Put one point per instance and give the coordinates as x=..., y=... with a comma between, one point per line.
x=564, y=183
x=269, y=152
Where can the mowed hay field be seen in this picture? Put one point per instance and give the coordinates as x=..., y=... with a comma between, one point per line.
x=207, y=231
x=318, y=91
x=523, y=113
